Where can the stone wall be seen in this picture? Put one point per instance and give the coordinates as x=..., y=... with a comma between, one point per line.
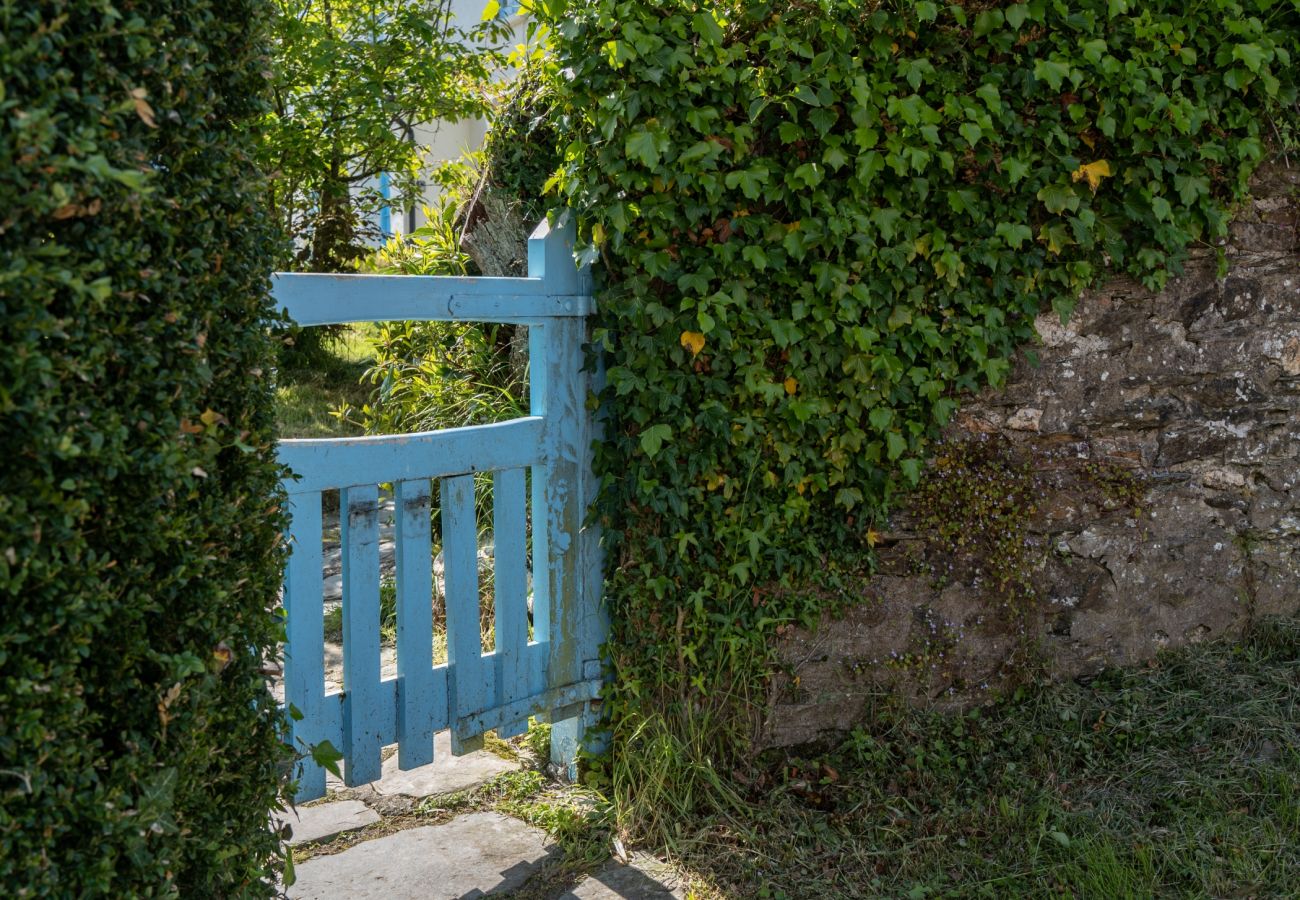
x=1138, y=489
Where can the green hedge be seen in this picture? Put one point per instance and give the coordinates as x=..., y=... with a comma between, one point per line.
x=821, y=223
x=139, y=509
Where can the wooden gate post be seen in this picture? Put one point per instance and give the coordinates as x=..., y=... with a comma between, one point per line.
x=567, y=603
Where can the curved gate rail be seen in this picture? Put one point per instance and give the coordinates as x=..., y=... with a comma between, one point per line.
x=554, y=675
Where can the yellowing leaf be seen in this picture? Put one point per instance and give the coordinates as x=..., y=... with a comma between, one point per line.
x=791, y=386
x=598, y=234
x=873, y=537
x=693, y=341
x=210, y=417
x=1094, y=172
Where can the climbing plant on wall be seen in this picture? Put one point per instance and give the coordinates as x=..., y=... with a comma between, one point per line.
x=821, y=223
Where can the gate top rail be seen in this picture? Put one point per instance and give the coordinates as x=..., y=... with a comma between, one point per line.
x=553, y=289
x=332, y=299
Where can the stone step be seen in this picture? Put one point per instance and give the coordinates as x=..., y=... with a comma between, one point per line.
x=326, y=820
x=471, y=856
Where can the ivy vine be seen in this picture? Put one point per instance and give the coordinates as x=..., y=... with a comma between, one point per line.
x=820, y=224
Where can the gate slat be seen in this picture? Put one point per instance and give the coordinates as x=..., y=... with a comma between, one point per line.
x=418, y=705
x=465, y=669
x=304, y=667
x=510, y=583
x=359, y=508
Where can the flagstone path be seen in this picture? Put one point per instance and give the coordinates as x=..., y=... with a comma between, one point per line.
x=366, y=844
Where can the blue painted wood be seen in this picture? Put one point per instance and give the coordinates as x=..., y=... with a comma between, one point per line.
x=466, y=673
x=304, y=671
x=418, y=704
x=575, y=626
x=339, y=462
x=359, y=517
x=557, y=674
x=475, y=723
x=510, y=598
x=337, y=299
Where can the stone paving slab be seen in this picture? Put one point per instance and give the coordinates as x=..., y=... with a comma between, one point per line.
x=447, y=774
x=325, y=820
x=470, y=856
x=643, y=878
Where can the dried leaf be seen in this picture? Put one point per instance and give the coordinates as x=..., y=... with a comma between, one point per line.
x=142, y=107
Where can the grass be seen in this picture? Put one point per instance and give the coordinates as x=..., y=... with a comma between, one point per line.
x=1179, y=779
x=310, y=391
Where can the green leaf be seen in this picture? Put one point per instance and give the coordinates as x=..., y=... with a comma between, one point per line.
x=881, y=417
x=1253, y=55
x=1058, y=198
x=1051, y=71
x=653, y=438
x=990, y=95
x=1161, y=208
x=987, y=21
x=707, y=27
x=642, y=145
x=911, y=469
x=896, y=445
x=971, y=132
x=1014, y=235
x=1016, y=15
x=327, y=757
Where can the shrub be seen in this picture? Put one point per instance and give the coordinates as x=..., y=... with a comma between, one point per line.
x=140, y=521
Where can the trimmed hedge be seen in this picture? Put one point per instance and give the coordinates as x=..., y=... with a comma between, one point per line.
x=140, y=519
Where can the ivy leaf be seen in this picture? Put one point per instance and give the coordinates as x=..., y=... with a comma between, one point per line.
x=1094, y=172
x=986, y=21
x=896, y=445
x=911, y=469
x=881, y=417
x=750, y=181
x=1016, y=169
x=1160, y=206
x=971, y=132
x=1016, y=15
x=653, y=438
x=643, y=145
x=1014, y=235
x=990, y=95
x=707, y=28
x=1051, y=71
x=1253, y=55
x=1058, y=198
x=1057, y=237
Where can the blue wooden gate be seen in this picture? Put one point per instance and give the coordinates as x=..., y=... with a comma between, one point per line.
x=552, y=674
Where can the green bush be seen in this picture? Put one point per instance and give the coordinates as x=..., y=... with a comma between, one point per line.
x=140, y=520
x=821, y=223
